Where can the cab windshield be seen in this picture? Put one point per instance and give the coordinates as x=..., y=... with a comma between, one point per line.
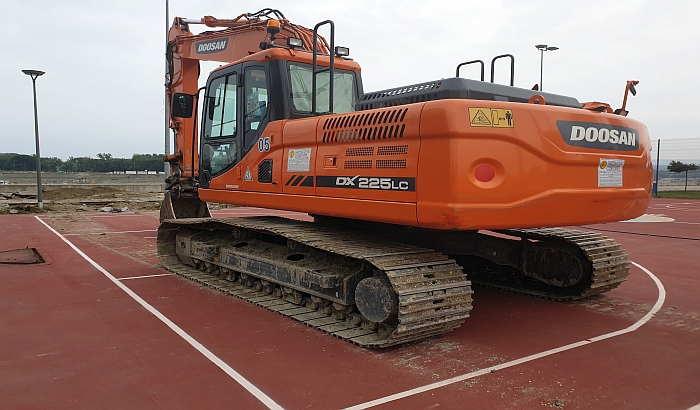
x=344, y=95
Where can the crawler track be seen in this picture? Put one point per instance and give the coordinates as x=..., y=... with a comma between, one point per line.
x=603, y=257
x=433, y=293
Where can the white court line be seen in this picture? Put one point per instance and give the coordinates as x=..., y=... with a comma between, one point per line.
x=258, y=213
x=189, y=339
x=250, y=210
x=674, y=208
x=457, y=379
x=146, y=276
x=118, y=214
x=103, y=233
x=254, y=210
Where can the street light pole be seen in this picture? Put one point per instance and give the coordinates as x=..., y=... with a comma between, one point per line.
x=543, y=48
x=34, y=74
x=165, y=96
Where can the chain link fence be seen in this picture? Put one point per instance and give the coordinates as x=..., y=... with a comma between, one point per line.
x=685, y=150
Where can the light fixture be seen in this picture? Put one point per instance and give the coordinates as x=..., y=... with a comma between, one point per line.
x=543, y=48
x=294, y=42
x=273, y=27
x=33, y=73
x=342, y=51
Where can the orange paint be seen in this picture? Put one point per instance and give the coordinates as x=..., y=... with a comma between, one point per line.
x=423, y=164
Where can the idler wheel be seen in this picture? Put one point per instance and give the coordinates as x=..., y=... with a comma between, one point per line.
x=376, y=300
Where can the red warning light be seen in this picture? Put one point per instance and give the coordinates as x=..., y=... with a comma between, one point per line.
x=484, y=172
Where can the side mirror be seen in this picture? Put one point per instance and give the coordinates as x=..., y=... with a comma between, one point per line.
x=632, y=89
x=182, y=105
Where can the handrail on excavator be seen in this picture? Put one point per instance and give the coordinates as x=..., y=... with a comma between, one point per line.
x=512, y=67
x=316, y=70
x=472, y=62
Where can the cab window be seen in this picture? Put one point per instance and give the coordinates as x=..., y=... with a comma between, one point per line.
x=221, y=108
x=343, y=89
x=219, y=156
x=256, y=104
x=219, y=142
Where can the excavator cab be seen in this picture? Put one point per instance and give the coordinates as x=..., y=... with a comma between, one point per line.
x=286, y=76
x=241, y=99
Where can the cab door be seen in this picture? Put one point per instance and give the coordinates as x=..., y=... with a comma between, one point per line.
x=221, y=135
x=261, y=137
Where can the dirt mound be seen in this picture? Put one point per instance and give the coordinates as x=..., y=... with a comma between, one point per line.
x=59, y=194
x=65, y=199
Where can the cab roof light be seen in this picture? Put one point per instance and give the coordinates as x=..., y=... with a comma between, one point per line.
x=273, y=26
x=342, y=51
x=294, y=42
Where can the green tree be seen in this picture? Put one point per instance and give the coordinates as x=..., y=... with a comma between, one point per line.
x=80, y=164
x=105, y=163
x=17, y=162
x=51, y=164
x=678, y=167
x=147, y=162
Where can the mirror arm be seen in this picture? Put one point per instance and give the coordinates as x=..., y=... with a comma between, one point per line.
x=629, y=87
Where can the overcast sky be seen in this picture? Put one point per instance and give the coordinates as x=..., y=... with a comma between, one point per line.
x=104, y=60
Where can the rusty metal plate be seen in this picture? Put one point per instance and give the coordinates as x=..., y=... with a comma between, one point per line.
x=26, y=256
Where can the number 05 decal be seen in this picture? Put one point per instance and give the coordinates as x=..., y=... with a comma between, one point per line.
x=264, y=144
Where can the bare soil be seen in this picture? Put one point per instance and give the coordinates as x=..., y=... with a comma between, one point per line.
x=98, y=192
x=99, y=178
x=92, y=199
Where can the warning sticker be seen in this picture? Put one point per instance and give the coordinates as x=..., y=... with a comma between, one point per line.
x=490, y=117
x=610, y=172
x=248, y=175
x=298, y=160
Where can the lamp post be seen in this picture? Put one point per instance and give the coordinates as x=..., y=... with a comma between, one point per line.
x=34, y=74
x=166, y=170
x=543, y=48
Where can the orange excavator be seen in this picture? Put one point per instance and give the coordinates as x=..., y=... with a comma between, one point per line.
x=415, y=192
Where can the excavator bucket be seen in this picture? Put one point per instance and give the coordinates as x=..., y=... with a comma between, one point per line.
x=187, y=207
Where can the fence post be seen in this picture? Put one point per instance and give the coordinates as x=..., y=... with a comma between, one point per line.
x=655, y=188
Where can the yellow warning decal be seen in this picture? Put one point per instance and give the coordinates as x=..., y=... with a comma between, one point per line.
x=490, y=117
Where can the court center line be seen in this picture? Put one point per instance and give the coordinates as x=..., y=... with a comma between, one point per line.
x=481, y=372
x=146, y=276
x=189, y=339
